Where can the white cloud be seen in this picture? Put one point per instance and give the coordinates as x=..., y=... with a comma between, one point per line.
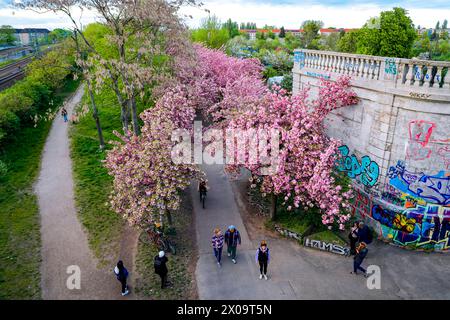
x=50, y=20
x=292, y=15
x=289, y=15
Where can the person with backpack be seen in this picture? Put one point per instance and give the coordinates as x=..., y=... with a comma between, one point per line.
x=64, y=114
x=217, y=244
x=161, y=268
x=263, y=257
x=364, y=233
x=353, y=237
x=122, y=274
x=232, y=239
x=361, y=253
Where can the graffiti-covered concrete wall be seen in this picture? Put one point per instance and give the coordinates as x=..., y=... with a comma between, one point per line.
x=395, y=142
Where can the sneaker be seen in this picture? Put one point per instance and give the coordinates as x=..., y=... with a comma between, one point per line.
x=229, y=254
x=265, y=277
x=218, y=263
x=125, y=293
x=234, y=261
x=351, y=272
x=366, y=275
x=260, y=276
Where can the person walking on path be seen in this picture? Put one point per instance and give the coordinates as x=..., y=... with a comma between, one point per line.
x=232, y=239
x=161, y=268
x=364, y=233
x=361, y=253
x=122, y=274
x=217, y=244
x=263, y=257
x=353, y=236
x=64, y=114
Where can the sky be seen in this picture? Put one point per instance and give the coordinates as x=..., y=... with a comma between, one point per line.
x=287, y=13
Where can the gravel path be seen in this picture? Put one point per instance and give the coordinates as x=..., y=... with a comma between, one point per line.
x=64, y=241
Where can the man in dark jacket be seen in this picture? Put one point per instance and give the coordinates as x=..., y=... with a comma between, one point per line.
x=232, y=239
x=361, y=253
x=161, y=268
x=364, y=233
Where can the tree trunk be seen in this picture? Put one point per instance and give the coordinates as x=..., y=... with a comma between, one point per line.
x=124, y=117
x=273, y=206
x=134, y=116
x=169, y=218
x=96, y=117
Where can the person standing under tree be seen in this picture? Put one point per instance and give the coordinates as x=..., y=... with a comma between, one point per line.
x=217, y=244
x=232, y=239
x=161, y=268
x=263, y=257
x=122, y=274
x=353, y=237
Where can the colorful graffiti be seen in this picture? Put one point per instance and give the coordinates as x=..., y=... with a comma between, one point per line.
x=433, y=189
x=413, y=210
x=318, y=75
x=420, y=145
x=366, y=171
x=390, y=66
x=299, y=57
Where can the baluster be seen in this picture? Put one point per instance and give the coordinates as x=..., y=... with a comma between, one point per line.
x=417, y=75
x=427, y=75
x=407, y=74
x=437, y=77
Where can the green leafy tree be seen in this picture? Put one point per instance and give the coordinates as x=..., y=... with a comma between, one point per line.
x=397, y=33
x=7, y=37
x=232, y=28
x=211, y=33
x=348, y=42
x=282, y=33
x=444, y=24
x=58, y=35
x=311, y=30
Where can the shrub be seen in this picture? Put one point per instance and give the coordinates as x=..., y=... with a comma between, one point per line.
x=3, y=169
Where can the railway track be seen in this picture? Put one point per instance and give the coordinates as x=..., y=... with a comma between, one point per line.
x=13, y=72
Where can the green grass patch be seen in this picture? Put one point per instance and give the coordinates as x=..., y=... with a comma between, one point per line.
x=290, y=221
x=327, y=236
x=20, y=240
x=181, y=266
x=93, y=185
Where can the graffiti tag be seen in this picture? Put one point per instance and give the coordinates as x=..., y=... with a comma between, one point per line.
x=390, y=66
x=324, y=246
x=367, y=171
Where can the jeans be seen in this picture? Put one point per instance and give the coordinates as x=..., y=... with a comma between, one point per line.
x=65, y=118
x=124, y=284
x=263, y=267
x=357, y=266
x=232, y=250
x=218, y=254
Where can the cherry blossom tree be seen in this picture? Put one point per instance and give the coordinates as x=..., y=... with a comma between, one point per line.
x=307, y=157
x=145, y=36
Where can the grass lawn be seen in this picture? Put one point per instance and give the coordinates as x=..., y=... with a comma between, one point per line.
x=92, y=182
x=19, y=214
x=181, y=266
x=327, y=236
x=290, y=221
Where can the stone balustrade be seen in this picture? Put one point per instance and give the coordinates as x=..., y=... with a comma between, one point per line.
x=411, y=77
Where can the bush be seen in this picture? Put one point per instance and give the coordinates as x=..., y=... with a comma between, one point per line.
x=3, y=169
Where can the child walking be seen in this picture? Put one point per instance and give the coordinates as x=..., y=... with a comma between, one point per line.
x=263, y=257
